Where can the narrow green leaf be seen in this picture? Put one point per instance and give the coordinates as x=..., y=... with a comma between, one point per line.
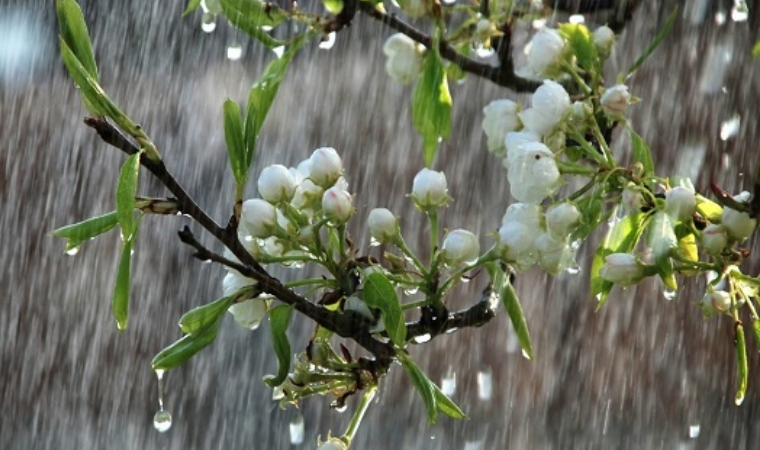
x=192, y=5
x=120, y=301
x=126, y=189
x=581, y=42
x=279, y=319
x=641, y=153
x=742, y=371
x=202, y=316
x=622, y=238
x=655, y=43
x=262, y=95
x=516, y=316
x=756, y=331
x=446, y=405
x=80, y=232
x=185, y=348
x=233, y=136
x=379, y=293
x=756, y=49
x=74, y=32
x=251, y=15
x=431, y=105
x=424, y=386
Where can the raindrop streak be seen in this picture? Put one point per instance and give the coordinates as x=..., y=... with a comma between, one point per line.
x=730, y=128
x=162, y=421
x=473, y=445
x=208, y=22
x=297, y=430
x=449, y=383
x=485, y=384
x=328, y=43
x=72, y=251
x=720, y=18
x=693, y=431
x=234, y=52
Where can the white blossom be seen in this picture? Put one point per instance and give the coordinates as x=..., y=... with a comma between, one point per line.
x=714, y=238
x=259, y=217
x=276, y=184
x=680, y=203
x=249, y=313
x=622, y=269
x=615, y=100
x=429, y=189
x=383, y=226
x=500, y=119
x=336, y=203
x=527, y=214
x=460, y=247
x=549, y=105
x=533, y=173
x=325, y=167
x=604, y=40
x=554, y=255
x=517, y=242
x=633, y=200
x=718, y=300
x=546, y=52
x=404, y=62
x=561, y=220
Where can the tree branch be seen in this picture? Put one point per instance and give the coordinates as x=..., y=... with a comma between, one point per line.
x=502, y=75
x=475, y=316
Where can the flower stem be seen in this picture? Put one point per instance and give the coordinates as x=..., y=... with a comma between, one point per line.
x=356, y=420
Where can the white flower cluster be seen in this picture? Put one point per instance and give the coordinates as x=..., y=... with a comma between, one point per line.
x=528, y=236
x=405, y=57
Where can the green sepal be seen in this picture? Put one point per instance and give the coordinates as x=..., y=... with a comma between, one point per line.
x=279, y=319
x=622, y=238
x=73, y=31
x=431, y=105
x=202, y=316
x=126, y=189
x=185, y=348
x=756, y=331
x=233, y=136
x=379, y=293
x=80, y=232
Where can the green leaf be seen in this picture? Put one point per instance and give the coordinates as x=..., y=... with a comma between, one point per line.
x=251, y=15
x=641, y=153
x=687, y=243
x=741, y=364
x=424, y=386
x=379, y=293
x=756, y=331
x=126, y=189
x=279, y=319
x=655, y=43
x=80, y=232
x=333, y=6
x=202, y=316
x=756, y=49
x=621, y=239
x=431, y=105
x=709, y=209
x=192, y=5
x=581, y=42
x=262, y=95
x=516, y=316
x=73, y=31
x=120, y=301
x=446, y=405
x=233, y=136
x=185, y=348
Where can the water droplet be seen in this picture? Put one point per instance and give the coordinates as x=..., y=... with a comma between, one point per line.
x=374, y=242
x=162, y=421
x=474, y=445
x=720, y=18
x=328, y=43
x=297, y=430
x=279, y=51
x=669, y=294
x=449, y=382
x=411, y=290
x=278, y=393
x=484, y=52
x=575, y=269
x=525, y=354
x=421, y=339
x=740, y=11
x=485, y=384
x=576, y=19
x=266, y=28
x=208, y=22
x=449, y=2
x=739, y=400
x=465, y=279
x=341, y=409
x=693, y=431
x=234, y=52
x=730, y=128
x=537, y=24
x=72, y=251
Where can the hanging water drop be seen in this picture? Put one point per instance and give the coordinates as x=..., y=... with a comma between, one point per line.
x=484, y=52
x=411, y=290
x=208, y=22
x=328, y=43
x=297, y=430
x=739, y=400
x=485, y=384
x=421, y=339
x=234, y=51
x=162, y=420
x=374, y=242
x=449, y=382
x=730, y=128
x=693, y=431
x=740, y=11
x=279, y=51
x=669, y=294
x=525, y=354
x=72, y=251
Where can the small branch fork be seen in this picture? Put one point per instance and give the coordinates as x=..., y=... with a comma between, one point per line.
x=345, y=325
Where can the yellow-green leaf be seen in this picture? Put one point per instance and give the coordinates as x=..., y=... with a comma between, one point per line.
x=431, y=105
x=73, y=31
x=80, y=232
x=279, y=319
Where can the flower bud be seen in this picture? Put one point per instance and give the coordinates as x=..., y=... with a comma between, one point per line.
x=383, y=226
x=546, y=53
x=633, y=200
x=554, y=255
x=336, y=203
x=739, y=225
x=404, y=62
x=718, y=300
x=500, y=119
x=604, y=40
x=527, y=214
x=234, y=282
x=516, y=241
x=622, y=269
x=429, y=189
x=249, y=313
x=276, y=184
x=714, y=239
x=259, y=217
x=680, y=203
x=548, y=107
x=561, y=220
x=325, y=167
x=662, y=237
x=533, y=174
x=460, y=247
x=615, y=100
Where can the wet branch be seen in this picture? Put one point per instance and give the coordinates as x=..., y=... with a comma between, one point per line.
x=503, y=75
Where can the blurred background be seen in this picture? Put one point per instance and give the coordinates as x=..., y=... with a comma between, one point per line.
x=644, y=372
